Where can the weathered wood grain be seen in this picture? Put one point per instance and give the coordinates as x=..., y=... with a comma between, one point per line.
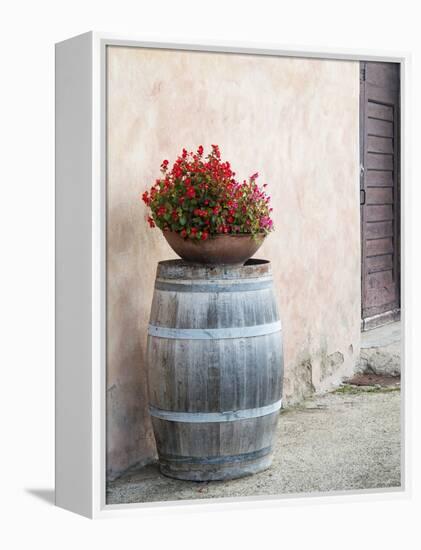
x=379, y=178
x=376, y=230
x=375, y=247
x=378, y=213
x=379, y=263
x=214, y=375
x=379, y=195
x=381, y=128
x=375, y=161
x=377, y=110
x=377, y=144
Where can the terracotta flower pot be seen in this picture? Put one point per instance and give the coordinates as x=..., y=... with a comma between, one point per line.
x=216, y=250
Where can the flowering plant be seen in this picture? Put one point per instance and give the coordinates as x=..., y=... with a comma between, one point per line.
x=200, y=197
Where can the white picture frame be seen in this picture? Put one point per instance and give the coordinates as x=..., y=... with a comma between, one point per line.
x=81, y=268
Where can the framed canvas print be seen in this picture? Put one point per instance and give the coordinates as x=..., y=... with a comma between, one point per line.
x=228, y=267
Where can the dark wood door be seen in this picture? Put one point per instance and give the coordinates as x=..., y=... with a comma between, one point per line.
x=380, y=190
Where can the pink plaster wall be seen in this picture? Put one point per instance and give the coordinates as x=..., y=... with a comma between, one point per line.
x=295, y=121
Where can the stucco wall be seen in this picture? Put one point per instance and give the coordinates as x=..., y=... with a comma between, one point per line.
x=295, y=121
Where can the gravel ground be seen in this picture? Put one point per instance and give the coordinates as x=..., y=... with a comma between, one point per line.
x=341, y=441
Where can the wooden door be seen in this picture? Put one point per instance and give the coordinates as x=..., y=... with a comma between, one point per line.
x=380, y=191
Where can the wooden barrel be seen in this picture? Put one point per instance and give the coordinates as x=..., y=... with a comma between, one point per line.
x=215, y=369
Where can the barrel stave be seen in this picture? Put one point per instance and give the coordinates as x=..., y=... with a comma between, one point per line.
x=192, y=310
x=189, y=439
x=207, y=375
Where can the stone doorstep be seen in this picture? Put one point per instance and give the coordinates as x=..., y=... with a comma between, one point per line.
x=381, y=351
x=381, y=336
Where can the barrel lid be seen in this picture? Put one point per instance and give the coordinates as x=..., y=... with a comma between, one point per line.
x=176, y=269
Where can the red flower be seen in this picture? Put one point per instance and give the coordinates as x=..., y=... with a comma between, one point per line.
x=216, y=152
x=197, y=190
